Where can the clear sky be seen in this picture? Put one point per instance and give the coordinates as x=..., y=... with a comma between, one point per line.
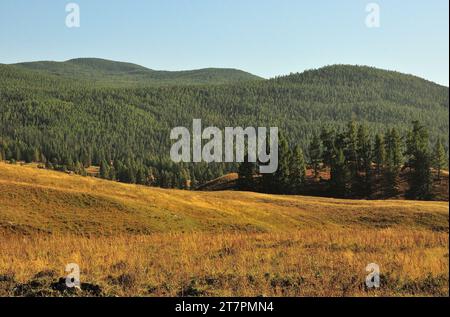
x=264, y=37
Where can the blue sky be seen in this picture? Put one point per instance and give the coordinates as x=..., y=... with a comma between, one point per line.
x=264, y=37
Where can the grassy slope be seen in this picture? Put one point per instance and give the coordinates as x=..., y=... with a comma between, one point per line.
x=245, y=244
x=41, y=200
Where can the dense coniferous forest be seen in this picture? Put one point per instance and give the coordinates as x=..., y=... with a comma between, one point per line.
x=118, y=116
x=117, y=74
x=356, y=163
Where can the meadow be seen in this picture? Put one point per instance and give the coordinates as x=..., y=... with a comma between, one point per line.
x=131, y=240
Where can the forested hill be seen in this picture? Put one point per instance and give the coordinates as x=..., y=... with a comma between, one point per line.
x=87, y=111
x=113, y=73
x=368, y=83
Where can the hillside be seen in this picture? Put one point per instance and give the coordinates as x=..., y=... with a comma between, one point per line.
x=35, y=200
x=65, y=119
x=131, y=240
x=112, y=73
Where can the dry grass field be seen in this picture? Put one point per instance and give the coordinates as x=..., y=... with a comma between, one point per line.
x=132, y=240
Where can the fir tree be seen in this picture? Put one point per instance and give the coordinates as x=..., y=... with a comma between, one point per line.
x=419, y=161
x=315, y=155
x=392, y=162
x=327, y=137
x=297, y=171
x=351, y=147
x=440, y=158
x=104, y=170
x=379, y=153
x=281, y=179
x=340, y=175
x=364, y=152
x=246, y=175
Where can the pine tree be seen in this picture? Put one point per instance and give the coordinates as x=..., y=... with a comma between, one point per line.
x=79, y=169
x=327, y=137
x=315, y=155
x=36, y=155
x=297, y=171
x=364, y=152
x=351, y=147
x=281, y=176
x=104, y=169
x=68, y=163
x=18, y=154
x=42, y=158
x=419, y=161
x=8, y=154
x=130, y=174
x=86, y=157
x=379, y=153
x=268, y=182
x=185, y=178
x=440, y=158
x=392, y=162
x=141, y=177
x=246, y=173
x=340, y=175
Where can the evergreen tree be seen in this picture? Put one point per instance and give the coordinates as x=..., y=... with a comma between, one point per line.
x=315, y=155
x=86, y=159
x=364, y=152
x=130, y=174
x=42, y=158
x=112, y=175
x=68, y=163
x=419, y=161
x=9, y=154
x=141, y=177
x=297, y=171
x=379, y=153
x=351, y=147
x=392, y=162
x=36, y=155
x=79, y=169
x=440, y=158
x=185, y=179
x=281, y=179
x=104, y=169
x=246, y=173
x=18, y=154
x=327, y=137
x=340, y=175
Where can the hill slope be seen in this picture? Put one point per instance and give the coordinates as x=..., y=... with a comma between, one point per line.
x=132, y=240
x=68, y=119
x=36, y=200
x=114, y=73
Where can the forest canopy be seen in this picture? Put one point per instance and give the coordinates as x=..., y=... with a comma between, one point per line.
x=119, y=116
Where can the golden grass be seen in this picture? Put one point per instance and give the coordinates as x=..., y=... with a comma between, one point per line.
x=140, y=241
x=303, y=263
x=34, y=200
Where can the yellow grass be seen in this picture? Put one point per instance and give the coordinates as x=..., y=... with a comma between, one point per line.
x=139, y=241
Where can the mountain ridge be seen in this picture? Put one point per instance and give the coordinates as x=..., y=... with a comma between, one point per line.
x=367, y=69
x=98, y=69
x=206, y=75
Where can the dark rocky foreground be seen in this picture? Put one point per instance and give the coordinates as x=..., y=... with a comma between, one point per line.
x=45, y=284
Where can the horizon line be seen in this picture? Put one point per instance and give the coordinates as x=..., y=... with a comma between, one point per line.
x=229, y=68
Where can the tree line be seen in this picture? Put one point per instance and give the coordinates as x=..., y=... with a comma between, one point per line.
x=354, y=161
